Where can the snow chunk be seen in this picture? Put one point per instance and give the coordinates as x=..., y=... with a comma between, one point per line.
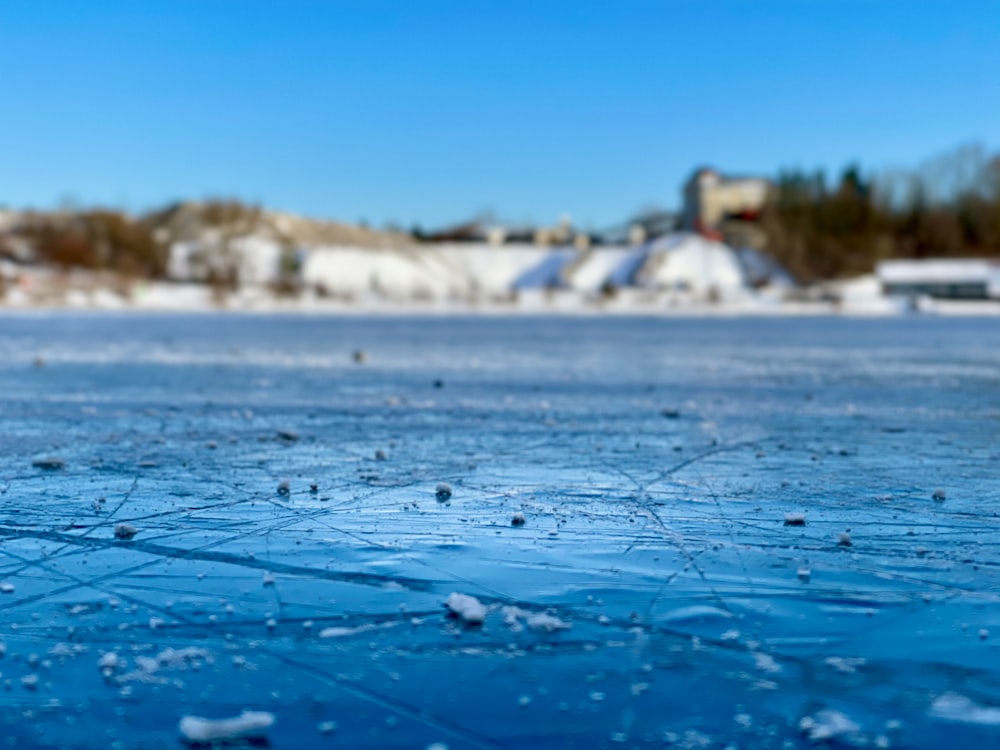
x=766, y=663
x=248, y=725
x=466, y=607
x=110, y=661
x=955, y=707
x=547, y=623
x=540, y=621
x=125, y=531
x=6, y=587
x=795, y=519
x=827, y=725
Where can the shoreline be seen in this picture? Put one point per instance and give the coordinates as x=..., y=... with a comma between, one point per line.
x=933, y=308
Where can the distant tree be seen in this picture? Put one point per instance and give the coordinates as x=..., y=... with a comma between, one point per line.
x=948, y=207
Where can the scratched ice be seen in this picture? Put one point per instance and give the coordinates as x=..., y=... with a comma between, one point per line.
x=688, y=490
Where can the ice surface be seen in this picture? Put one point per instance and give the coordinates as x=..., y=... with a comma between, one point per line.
x=698, y=617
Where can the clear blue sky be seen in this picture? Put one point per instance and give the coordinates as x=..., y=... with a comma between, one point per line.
x=431, y=110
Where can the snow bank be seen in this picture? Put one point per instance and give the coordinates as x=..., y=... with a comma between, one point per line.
x=691, y=263
x=595, y=268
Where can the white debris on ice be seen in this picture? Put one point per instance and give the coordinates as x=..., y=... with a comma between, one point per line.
x=110, y=662
x=848, y=665
x=955, y=707
x=248, y=725
x=343, y=632
x=795, y=519
x=547, y=623
x=827, y=725
x=466, y=607
x=766, y=663
x=112, y=665
x=541, y=621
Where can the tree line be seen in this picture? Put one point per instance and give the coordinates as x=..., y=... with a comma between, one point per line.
x=948, y=207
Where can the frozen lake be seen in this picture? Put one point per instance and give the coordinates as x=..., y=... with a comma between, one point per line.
x=730, y=540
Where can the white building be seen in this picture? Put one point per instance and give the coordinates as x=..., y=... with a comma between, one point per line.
x=959, y=278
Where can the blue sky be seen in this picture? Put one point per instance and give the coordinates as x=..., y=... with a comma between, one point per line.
x=432, y=110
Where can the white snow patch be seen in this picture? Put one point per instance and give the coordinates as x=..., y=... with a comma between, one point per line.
x=696, y=612
x=541, y=621
x=845, y=665
x=766, y=663
x=342, y=632
x=955, y=707
x=827, y=725
x=547, y=623
x=468, y=608
x=110, y=661
x=248, y=725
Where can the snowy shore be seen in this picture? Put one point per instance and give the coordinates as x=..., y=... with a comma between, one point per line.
x=168, y=297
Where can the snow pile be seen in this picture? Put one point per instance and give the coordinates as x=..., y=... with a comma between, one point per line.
x=595, y=268
x=445, y=271
x=690, y=263
x=248, y=725
x=467, y=608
